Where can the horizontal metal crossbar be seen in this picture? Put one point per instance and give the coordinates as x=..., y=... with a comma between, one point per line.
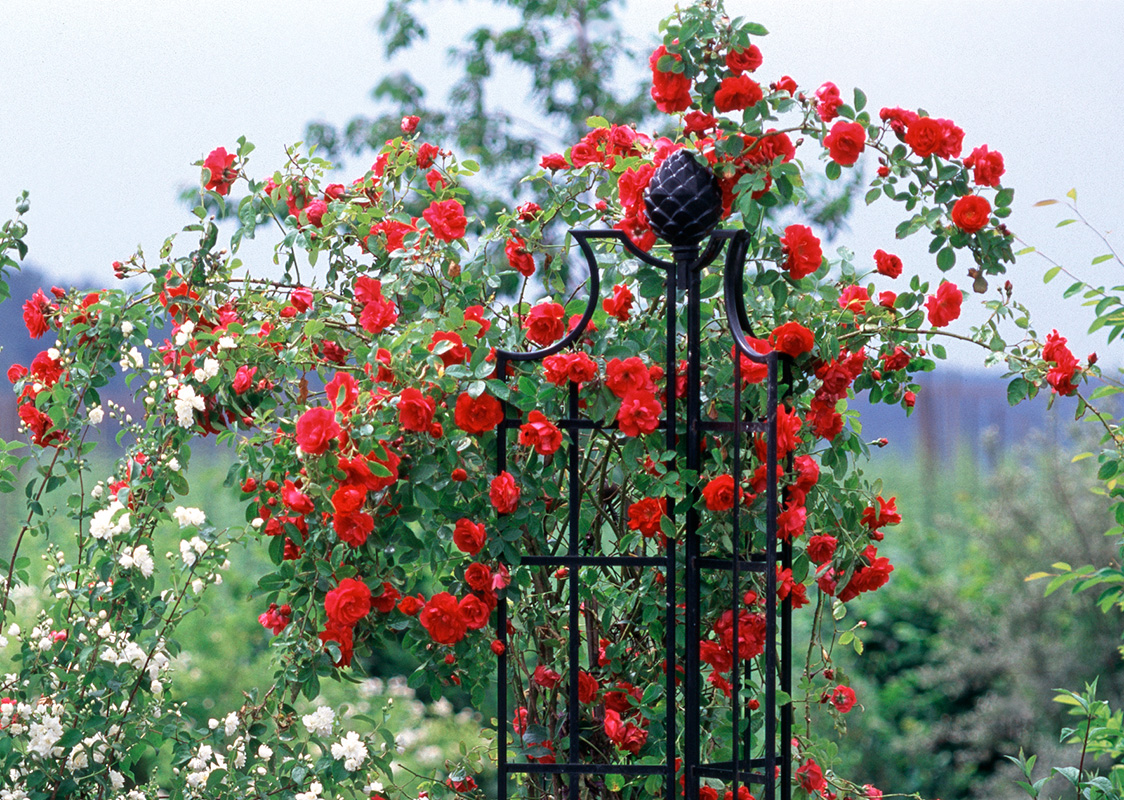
x=725, y=426
x=754, y=565
x=589, y=769
x=596, y=561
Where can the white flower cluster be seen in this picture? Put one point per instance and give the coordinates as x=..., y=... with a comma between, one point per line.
x=320, y=721
x=119, y=650
x=95, y=746
x=189, y=517
x=138, y=557
x=313, y=793
x=186, y=404
x=351, y=750
x=95, y=415
x=132, y=360
x=183, y=334
x=108, y=522
x=190, y=550
x=226, y=343
x=209, y=370
x=205, y=762
x=42, y=735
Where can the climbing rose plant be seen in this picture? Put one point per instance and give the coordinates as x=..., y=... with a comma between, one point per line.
x=358, y=398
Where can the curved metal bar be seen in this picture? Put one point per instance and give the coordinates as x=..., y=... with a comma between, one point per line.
x=734, y=298
x=622, y=237
x=579, y=329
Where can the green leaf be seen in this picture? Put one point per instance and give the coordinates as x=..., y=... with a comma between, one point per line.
x=946, y=259
x=833, y=171
x=1017, y=390
x=860, y=99
x=1051, y=273
x=597, y=122
x=1102, y=259
x=754, y=29
x=1004, y=198
x=1073, y=289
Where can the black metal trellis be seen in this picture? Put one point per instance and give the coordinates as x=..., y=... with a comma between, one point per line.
x=683, y=206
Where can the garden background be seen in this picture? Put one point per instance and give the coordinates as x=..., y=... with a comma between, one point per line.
x=107, y=111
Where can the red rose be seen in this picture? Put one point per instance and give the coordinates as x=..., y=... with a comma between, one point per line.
x=719, y=493
x=899, y=359
x=887, y=299
x=563, y=367
x=887, y=264
x=670, y=90
x=630, y=375
x=987, y=166
x=821, y=548
x=747, y=60
x=620, y=304
x=828, y=101
x=899, y=118
x=410, y=123
x=477, y=414
x=645, y=516
x=348, y=498
x=786, y=84
x=854, y=299
x=218, y=169
x=342, y=391
x=810, y=777
x=627, y=736
x=459, y=475
x=845, y=142
x=587, y=687
x=944, y=306
x=316, y=429
x=544, y=324
x=410, y=605
x=456, y=352
x=546, y=677
x=504, y=493
x=639, y=412
x=35, y=312
x=426, y=154
x=554, y=161
x=343, y=636
x=909, y=399
x=295, y=499
x=384, y=603
x=478, y=576
x=442, y=619
x=474, y=612
x=970, y=213
x=518, y=258
x=802, y=251
x=469, y=537
x=696, y=123
x=348, y=603
x=751, y=633
x=737, y=92
x=243, y=379
x=843, y=698
x=353, y=527
x=528, y=211
x=792, y=338
x=540, y=433
x=446, y=219
x=16, y=372
x=476, y=314
x=929, y=136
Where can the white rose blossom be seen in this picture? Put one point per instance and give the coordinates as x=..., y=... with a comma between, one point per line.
x=320, y=721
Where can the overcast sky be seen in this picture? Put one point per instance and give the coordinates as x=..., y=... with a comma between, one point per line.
x=104, y=106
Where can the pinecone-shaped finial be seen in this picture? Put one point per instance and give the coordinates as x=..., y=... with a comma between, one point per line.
x=683, y=200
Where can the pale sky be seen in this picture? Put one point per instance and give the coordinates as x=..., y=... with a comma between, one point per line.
x=104, y=106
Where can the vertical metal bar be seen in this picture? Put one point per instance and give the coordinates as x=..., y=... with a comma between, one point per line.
x=670, y=660
x=692, y=751
x=502, y=722
x=786, y=644
x=735, y=605
x=771, y=586
x=575, y=601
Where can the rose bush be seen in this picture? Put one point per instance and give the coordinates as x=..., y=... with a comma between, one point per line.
x=359, y=396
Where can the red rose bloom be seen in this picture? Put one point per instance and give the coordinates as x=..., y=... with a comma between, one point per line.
x=747, y=60
x=446, y=219
x=477, y=414
x=546, y=677
x=719, y=493
x=622, y=377
x=478, y=576
x=887, y=299
x=554, y=161
x=645, y=516
x=828, y=102
x=415, y=410
x=353, y=527
x=887, y=264
x=442, y=619
x=563, y=367
x=540, y=433
x=810, y=777
x=944, y=306
x=16, y=372
x=987, y=166
x=587, y=687
x=751, y=633
x=348, y=498
x=737, y=92
x=316, y=429
x=344, y=637
x=410, y=605
x=802, y=251
x=845, y=142
x=929, y=136
x=843, y=698
x=410, y=123
x=639, y=413
x=620, y=304
x=792, y=338
x=35, y=314
x=219, y=169
x=348, y=603
x=854, y=299
x=970, y=213
x=474, y=612
x=786, y=84
x=386, y=600
x=456, y=352
x=504, y=493
x=518, y=258
x=821, y=548
x=476, y=314
x=544, y=324
x=469, y=537
x=670, y=90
